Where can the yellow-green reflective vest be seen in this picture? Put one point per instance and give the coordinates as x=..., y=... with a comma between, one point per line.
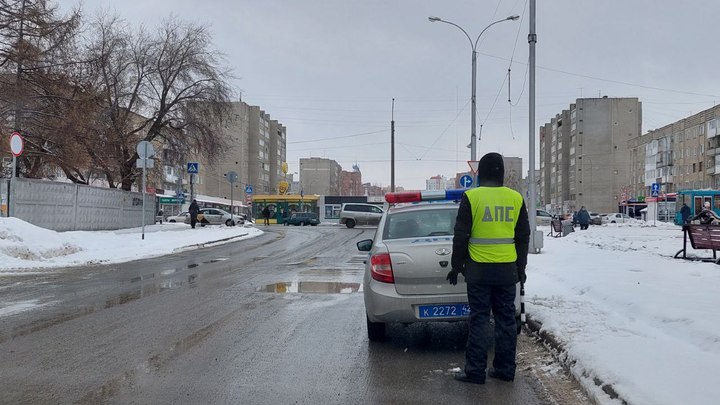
x=495, y=212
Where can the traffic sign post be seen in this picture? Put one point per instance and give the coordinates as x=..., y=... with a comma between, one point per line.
x=466, y=181
x=145, y=151
x=232, y=178
x=17, y=145
x=655, y=192
x=193, y=168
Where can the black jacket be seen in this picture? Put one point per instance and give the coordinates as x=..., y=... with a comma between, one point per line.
x=194, y=209
x=488, y=273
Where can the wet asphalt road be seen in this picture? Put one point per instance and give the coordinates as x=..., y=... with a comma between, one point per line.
x=277, y=319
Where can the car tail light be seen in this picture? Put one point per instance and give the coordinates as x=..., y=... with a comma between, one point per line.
x=381, y=268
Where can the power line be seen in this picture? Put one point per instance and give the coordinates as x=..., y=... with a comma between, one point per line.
x=338, y=137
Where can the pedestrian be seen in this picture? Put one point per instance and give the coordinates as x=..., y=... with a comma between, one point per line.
x=574, y=219
x=490, y=248
x=583, y=218
x=266, y=215
x=707, y=216
x=193, y=210
x=284, y=217
x=685, y=213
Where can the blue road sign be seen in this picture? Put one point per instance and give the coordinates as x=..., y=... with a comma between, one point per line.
x=192, y=167
x=466, y=181
x=248, y=189
x=655, y=190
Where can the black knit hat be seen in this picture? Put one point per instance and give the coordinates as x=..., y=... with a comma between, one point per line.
x=491, y=169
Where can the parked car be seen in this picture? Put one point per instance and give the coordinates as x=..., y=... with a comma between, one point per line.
x=405, y=273
x=303, y=218
x=616, y=217
x=352, y=214
x=595, y=218
x=179, y=217
x=542, y=217
x=216, y=216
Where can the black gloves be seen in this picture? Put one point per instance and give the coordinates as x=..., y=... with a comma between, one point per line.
x=452, y=276
x=522, y=277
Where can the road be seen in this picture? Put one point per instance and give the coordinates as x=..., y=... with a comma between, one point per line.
x=277, y=319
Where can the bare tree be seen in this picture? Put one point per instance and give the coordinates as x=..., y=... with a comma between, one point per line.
x=36, y=92
x=166, y=87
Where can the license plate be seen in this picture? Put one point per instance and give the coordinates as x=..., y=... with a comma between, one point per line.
x=444, y=311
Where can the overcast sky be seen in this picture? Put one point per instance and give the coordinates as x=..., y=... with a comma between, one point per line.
x=329, y=69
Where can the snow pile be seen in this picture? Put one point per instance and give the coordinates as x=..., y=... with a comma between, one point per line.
x=29, y=243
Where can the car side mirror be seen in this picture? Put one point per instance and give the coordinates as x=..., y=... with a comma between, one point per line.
x=365, y=245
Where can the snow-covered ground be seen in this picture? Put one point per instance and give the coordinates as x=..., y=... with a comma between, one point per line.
x=627, y=314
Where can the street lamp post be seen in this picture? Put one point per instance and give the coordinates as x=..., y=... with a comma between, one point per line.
x=473, y=45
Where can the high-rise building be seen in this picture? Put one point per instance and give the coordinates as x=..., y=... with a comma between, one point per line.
x=586, y=152
x=319, y=176
x=256, y=152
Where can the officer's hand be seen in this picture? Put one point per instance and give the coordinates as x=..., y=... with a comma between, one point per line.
x=522, y=277
x=452, y=276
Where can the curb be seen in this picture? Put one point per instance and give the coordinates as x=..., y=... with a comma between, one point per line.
x=566, y=361
x=205, y=244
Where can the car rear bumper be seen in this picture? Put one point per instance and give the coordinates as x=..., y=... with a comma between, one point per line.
x=384, y=304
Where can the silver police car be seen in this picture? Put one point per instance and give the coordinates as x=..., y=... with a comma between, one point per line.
x=409, y=258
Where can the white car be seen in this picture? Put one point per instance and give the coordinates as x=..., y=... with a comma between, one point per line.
x=179, y=217
x=542, y=218
x=616, y=218
x=216, y=216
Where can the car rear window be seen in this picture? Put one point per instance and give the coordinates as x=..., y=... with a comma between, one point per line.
x=420, y=223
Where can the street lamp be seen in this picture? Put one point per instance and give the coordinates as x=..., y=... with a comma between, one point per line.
x=473, y=45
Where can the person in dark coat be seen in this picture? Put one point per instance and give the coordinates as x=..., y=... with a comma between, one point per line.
x=284, y=217
x=685, y=213
x=266, y=215
x=194, y=210
x=490, y=248
x=583, y=218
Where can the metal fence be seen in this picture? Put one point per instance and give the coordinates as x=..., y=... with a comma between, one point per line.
x=75, y=207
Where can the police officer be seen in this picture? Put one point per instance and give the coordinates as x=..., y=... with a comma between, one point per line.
x=490, y=248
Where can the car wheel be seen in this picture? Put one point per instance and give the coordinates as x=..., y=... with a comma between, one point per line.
x=313, y=224
x=229, y=222
x=350, y=223
x=376, y=330
x=172, y=220
x=612, y=222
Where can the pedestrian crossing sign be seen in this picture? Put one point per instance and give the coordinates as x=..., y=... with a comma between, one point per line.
x=192, y=167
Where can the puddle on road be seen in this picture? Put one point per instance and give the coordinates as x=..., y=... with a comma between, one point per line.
x=311, y=287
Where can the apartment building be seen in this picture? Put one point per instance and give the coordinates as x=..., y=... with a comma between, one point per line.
x=681, y=155
x=320, y=176
x=256, y=152
x=438, y=182
x=351, y=182
x=586, y=155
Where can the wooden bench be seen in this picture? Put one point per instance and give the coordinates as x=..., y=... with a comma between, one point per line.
x=701, y=237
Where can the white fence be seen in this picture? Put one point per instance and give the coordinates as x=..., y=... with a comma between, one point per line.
x=75, y=207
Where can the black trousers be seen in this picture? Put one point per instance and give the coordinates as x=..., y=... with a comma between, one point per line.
x=501, y=299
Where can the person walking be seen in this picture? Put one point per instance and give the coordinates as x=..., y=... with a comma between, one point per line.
x=266, y=215
x=490, y=248
x=284, y=217
x=685, y=213
x=583, y=218
x=193, y=210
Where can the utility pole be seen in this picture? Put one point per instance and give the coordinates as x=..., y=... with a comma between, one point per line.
x=536, y=236
x=18, y=88
x=392, y=147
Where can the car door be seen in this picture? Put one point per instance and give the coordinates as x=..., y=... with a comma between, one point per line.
x=374, y=215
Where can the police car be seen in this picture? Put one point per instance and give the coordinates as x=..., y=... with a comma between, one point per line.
x=409, y=258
